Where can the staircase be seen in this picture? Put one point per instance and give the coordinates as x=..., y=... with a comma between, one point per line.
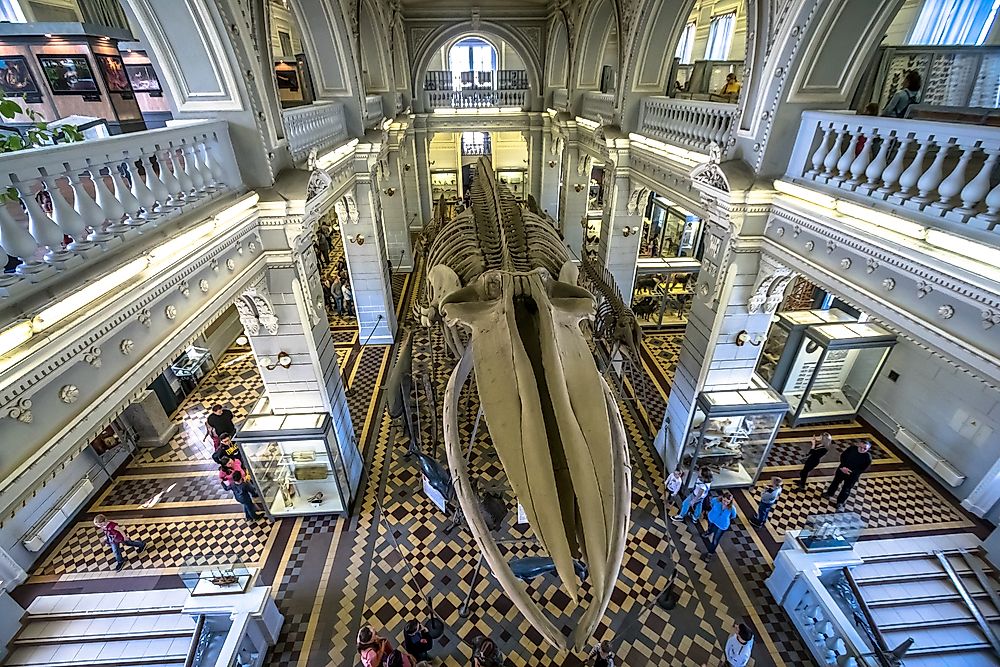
x=144, y=628
x=947, y=601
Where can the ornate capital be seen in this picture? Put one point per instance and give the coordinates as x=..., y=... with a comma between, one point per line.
x=255, y=310
x=769, y=289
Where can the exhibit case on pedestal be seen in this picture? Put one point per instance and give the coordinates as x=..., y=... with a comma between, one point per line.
x=831, y=532
x=732, y=432
x=785, y=337
x=833, y=371
x=293, y=459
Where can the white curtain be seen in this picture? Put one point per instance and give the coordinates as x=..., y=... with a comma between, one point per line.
x=954, y=22
x=685, y=48
x=720, y=36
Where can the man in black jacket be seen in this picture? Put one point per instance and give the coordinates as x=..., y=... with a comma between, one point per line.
x=854, y=461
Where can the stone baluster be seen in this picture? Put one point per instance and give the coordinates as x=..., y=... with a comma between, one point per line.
x=218, y=175
x=140, y=190
x=41, y=227
x=976, y=190
x=191, y=169
x=113, y=210
x=912, y=174
x=860, y=164
x=876, y=168
x=931, y=178
x=92, y=214
x=847, y=158
x=819, y=156
x=69, y=220
x=989, y=219
x=124, y=195
x=17, y=242
x=892, y=173
x=833, y=156
x=155, y=184
x=180, y=172
x=955, y=182
x=170, y=182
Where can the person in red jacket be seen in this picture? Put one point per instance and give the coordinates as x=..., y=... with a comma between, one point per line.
x=116, y=538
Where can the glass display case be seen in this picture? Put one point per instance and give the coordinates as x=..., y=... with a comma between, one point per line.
x=732, y=432
x=444, y=182
x=785, y=337
x=293, y=460
x=831, y=532
x=592, y=233
x=514, y=180
x=834, y=369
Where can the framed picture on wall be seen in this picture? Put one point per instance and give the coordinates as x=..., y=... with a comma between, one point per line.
x=68, y=74
x=287, y=77
x=114, y=74
x=143, y=79
x=16, y=79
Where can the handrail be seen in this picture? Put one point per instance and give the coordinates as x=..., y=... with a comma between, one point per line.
x=882, y=653
x=195, y=641
x=956, y=581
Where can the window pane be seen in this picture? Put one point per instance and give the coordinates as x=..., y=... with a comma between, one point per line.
x=720, y=36
x=954, y=22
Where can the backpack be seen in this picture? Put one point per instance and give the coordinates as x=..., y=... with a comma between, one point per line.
x=370, y=658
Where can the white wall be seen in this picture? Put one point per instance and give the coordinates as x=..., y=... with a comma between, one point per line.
x=953, y=412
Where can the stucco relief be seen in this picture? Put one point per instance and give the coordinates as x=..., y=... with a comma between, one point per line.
x=769, y=289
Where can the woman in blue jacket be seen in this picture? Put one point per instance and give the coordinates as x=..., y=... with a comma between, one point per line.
x=720, y=516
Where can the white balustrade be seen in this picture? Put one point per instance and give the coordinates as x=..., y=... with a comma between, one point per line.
x=598, y=106
x=75, y=200
x=935, y=169
x=475, y=99
x=373, y=110
x=320, y=125
x=690, y=124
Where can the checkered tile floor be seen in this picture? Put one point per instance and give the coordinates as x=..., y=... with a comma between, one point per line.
x=131, y=491
x=789, y=453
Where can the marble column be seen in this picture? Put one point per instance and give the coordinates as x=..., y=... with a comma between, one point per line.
x=738, y=290
x=573, y=199
x=621, y=224
x=536, y=156
x=395, y=215
x=409, y=176
x=366, y=262
x=422, y=171
x=150, y=421
x=284, y=317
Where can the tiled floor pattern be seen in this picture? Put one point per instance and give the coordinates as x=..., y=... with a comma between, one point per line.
x=130, y=491
x=788, y=453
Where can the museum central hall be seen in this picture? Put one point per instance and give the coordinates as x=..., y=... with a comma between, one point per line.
x=400, y=333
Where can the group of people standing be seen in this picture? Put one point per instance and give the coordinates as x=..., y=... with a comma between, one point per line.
x=233, y=476
x=375, y=650
x=337, y=292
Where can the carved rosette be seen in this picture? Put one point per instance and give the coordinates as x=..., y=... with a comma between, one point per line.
x=93, y=357
x=126, y=346
x=69, y=393
x=170, y=312
x=145, y=317
x=184, y=288
x=21, y=411
x=203, y=285
x=990, y=319
x=230, y=264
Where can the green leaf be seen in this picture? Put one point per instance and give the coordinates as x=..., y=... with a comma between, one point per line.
x=9, y=108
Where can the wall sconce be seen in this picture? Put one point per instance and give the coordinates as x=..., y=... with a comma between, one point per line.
x=744, y=337
x=359, y=239
x=390, y=191
x=629, y=231
x=407, y=167
x=284, y=360
x=578, y=187
x=552, y=164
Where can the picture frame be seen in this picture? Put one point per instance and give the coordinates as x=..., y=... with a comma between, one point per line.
x=143, y=78
x=16, y=79
x=287, y=78
x=115, y=77
x=69, y=74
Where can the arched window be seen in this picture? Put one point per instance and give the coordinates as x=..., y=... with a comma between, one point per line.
x=472, y=62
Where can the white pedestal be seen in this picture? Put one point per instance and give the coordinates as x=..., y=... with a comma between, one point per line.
x=150, y=421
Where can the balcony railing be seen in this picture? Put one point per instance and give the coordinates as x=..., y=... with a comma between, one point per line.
x=320, y=125
x=502, y=79
x=76, y=201
x=938, y=170
x=474, y=99
x=691, y=124
x=373, y=110
x=598, y=106
x=474, y=148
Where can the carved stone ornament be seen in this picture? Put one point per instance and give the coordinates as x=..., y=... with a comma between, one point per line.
x=214, y=264
x=256, y=312
x=637, y=200
x=871, y=265
x=239, y=248
x=991, y=318
x=923, y=289
x=352, y=208
x=93, y=357
x=126, y=346
x=69, y=393
x=946, y=312
x=810, y=245
x=230, y=264
x=779, y=232
x=21, y=411
x=252, y=247
x=171, y=312
x=184, y=288
x=889, y=284
x=319, y=180
x=845, y=263
x=769, y=289
x=203, y=285
x=145, y=317
x=796, y=230
x=831, y=246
